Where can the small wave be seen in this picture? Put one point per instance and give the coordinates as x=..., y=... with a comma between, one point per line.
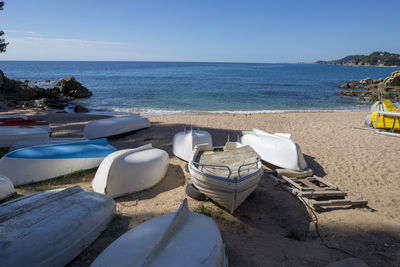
x=159, y=112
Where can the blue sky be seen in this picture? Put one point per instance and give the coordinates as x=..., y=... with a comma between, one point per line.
x=189, y=30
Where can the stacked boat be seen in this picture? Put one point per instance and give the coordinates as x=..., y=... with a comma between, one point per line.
x=51, y=228
x=185, y=141
x=181, y=238
x=278, y=149
x=6, y=187
x=131, y=170
x=114, y=126
x=44, y=162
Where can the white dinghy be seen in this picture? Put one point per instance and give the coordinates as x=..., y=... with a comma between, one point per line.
x=13, y=116
x=51, y=228
x=44, y=162
x=114, y=126
x=179, y=239
x=130, y=170
x=48, y=141
x=11, y=135
x=227, y=175
x=185, y=141
x=276, y=149
x=6, y=187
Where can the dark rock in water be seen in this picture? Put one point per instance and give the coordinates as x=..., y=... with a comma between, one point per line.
x=79, y=108
x=351, y=93
x=51, y=103
x=390, y=88
x=57, y=97
x=366, y=81
x=350, y=85
x=72, y=88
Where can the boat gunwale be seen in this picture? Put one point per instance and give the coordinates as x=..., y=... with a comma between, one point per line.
x=192, y=166
x=217, y=177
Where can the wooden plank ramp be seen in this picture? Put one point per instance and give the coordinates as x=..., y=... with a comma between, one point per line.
x=316, y=192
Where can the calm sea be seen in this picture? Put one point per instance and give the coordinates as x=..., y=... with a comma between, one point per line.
x=172, y=87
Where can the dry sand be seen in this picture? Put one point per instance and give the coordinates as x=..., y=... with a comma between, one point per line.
x=362, y=163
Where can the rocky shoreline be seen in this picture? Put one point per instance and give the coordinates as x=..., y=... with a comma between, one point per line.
x=367, y=89
x=27, y=94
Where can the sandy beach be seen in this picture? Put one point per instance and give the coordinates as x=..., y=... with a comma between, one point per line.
x=363, y=164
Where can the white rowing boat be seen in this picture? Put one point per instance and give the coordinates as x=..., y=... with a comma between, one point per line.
x=114, y=126
x=276, y=149
x=53, y=160
x=13, y=134
x=6, y=187
x=130, y=170
x=227, y=175
x=178, y=239
x=51, y=228
x=185, y=141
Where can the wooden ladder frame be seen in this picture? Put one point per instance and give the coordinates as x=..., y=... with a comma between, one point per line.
x=317, y=192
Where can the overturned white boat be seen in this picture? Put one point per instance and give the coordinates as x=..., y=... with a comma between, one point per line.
x=276, y=149
x=44, y=162
x=6, y=187
x=180, y=239
x=185, y=141
x=24, y=117
x=13, y=134
x=227, y=175
x=48, y=141
x=114, y=126
x=130, y=170
x=51, y=228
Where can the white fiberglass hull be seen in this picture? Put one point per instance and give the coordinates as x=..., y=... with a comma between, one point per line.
x=10, y=134
x=229, y=192
x=179, y=239
x=275, y=149
x=24, y=171
x=130, y=170
x=52, y=227
x=114, y=126
x=6, y=187
x=185, y=141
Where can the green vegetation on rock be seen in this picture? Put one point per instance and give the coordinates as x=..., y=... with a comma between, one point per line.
x=3, y=44
x=374, y=59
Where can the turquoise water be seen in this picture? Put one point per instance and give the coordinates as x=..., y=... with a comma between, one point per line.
x=170, y=87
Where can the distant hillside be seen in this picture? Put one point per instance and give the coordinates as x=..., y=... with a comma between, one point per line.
x=374, y=59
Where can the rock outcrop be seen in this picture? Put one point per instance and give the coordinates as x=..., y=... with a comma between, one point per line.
x=14, y=93
x=79, y=108
x=72, y=88
x=393, y=80
x=369, y=88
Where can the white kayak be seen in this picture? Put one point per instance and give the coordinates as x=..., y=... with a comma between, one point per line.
x=6, y=187
x=185, y=141
x=48, y=141
x=37, y=163
x=182, y=238
x=130, y=170
x=51, y=228
x=276, y=149
x=114, y=126
x=11, y=135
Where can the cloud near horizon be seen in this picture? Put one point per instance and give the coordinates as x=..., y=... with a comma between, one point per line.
x=47, y=48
